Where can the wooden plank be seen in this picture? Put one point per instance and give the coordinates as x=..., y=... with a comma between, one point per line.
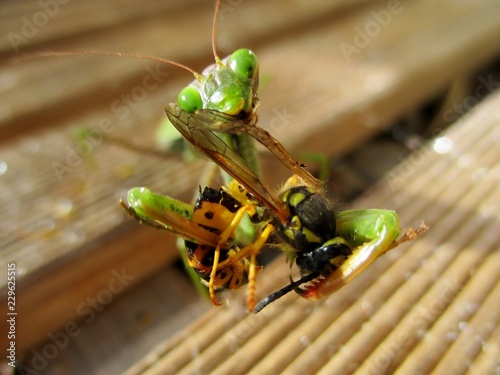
x=30, y=24
x=404, y=63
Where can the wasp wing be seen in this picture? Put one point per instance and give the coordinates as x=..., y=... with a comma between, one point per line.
x=222, y=122
x=203, y=138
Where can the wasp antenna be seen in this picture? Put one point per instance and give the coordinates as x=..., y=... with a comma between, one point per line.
x=36, y=55
x=214, y=31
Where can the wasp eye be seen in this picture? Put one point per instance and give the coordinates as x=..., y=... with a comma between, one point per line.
x=189, y=99
x=331, y=255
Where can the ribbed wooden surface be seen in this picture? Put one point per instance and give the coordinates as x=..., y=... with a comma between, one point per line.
x=430, y=306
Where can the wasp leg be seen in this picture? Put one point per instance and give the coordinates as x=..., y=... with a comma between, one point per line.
x=251, y=250
x=221, y=241
x=254, y=249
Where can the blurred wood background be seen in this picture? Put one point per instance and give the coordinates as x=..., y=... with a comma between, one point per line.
x=334, y=76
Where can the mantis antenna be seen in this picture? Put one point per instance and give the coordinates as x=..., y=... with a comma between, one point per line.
x=36, y=55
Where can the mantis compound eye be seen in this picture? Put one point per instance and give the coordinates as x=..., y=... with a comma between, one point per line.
x=244, y=63
x=189, y=99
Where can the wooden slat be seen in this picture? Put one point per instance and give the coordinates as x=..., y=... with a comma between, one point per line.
x=430, y=305
x=25, y=19
x=405, y=62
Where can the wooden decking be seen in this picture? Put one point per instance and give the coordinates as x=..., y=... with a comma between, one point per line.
x=334, y=75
